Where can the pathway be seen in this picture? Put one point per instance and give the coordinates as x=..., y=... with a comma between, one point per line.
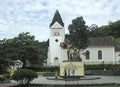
x=82, y=81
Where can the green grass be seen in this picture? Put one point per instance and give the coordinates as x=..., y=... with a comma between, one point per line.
x=40, y=73
x=46, y=73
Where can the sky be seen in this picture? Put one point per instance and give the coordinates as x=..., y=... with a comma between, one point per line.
x=35, y=16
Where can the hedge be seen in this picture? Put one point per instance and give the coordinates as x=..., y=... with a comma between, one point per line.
x=44, y=69
x=101, y=66
x=2, y=78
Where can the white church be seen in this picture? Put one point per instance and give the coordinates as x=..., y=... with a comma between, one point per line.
x=99, y=50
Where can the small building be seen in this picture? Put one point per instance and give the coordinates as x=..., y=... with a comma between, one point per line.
x=17, y=65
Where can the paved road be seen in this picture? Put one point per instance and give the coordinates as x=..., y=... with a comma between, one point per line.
x=83, y=81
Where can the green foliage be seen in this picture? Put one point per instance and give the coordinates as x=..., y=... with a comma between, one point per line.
x=44, y=69
x=100, y=32
x=2, y=78
x=7, y=75
x=3, y=65
x=112, y=29
x=115, y=28
x=78, y=33
x=101, y=66
x=49, y=74
x=24, y=76
x=116, y=70
x=44, y=50
x=25, y=48
x=117, y=40
x=99, y=69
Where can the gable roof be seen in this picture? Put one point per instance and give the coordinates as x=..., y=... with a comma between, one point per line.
x=101, y=41
x=57, y=18
x=96, y=41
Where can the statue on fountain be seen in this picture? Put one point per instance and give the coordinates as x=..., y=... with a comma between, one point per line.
x=74, y=65
x=72, y=53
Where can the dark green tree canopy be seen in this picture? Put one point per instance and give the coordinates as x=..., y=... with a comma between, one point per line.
x=78, y=33
x=98, y=31
x=112, y=29
x=25, y=48
x=115, y=28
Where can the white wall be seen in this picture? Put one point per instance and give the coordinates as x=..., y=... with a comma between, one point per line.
x=117, y=57
x=55, y=49
x=108, y=54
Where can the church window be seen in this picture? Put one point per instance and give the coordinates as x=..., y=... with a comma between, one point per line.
x=56, y=58
x=99, y=54
x=56, y=61
x=87, y=55
x=56, y=34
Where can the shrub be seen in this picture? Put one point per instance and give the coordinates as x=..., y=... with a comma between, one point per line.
x=111, y=69
x=7, y=75
x=2, y=78
x=44, y=68
x=116, y=70
x=49, y=74
x=101, y=66
x=24, y=76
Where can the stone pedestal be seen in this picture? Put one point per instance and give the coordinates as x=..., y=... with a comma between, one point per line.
x=72, y=68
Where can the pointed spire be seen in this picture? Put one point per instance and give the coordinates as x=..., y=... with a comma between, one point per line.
x=57, y=18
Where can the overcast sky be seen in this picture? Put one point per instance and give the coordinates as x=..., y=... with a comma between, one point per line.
x=35, y=16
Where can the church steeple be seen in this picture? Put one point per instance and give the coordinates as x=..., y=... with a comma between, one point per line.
x=57, y=18
x=57, y=35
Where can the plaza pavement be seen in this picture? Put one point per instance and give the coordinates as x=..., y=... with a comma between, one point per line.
x=7, y=84
x=87, y=80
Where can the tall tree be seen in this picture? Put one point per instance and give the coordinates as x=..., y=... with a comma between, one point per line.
x=23, y=47
x=78, y=33
x=95, y=31
x=115, y=28
x=27, y=48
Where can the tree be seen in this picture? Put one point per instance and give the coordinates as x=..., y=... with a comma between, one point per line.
x=3, y=57
x=112, y=29
x=115, y=28
x=78, y=33
x=98, y=31
x=23, y=47
x=24, y=76
x=44, y=50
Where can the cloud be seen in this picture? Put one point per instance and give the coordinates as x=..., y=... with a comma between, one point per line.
x=34, y=16
x=3, y=26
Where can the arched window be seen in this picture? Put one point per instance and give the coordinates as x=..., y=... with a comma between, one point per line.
x=56, y=58
x=99, y=54
x=56, y=61
x=87, y=55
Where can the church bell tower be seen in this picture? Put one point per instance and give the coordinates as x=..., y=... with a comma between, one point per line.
x=57, y=34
